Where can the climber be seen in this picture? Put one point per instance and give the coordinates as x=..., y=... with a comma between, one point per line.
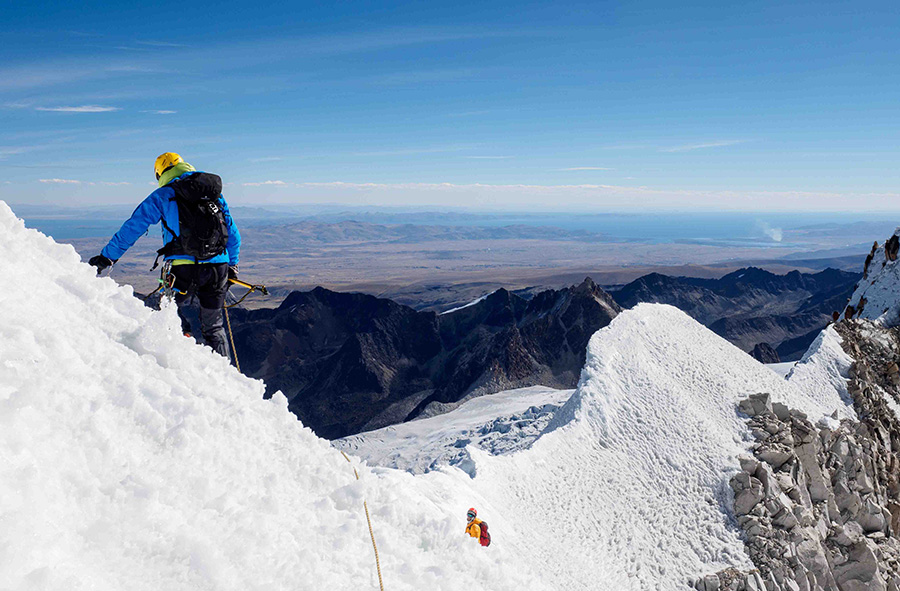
x=477, y=528
x=201, y=242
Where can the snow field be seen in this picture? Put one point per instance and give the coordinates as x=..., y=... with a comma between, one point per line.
x=132, y=458
x=500, y=423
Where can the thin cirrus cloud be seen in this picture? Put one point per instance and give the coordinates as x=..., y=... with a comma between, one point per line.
x=160, y=44
x=488, y=157
x=7, y=151
x=702, y=146
x=584, y=168
x=59, y=181
x=237, y=55
x=160, y=112
x=79, y=109
x=266, y=183
x=77, y=182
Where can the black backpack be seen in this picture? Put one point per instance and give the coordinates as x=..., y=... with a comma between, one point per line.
x=204, y=231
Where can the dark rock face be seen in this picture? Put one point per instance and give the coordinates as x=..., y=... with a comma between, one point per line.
x=752, y=305
x=353, y=362
x=764, y=353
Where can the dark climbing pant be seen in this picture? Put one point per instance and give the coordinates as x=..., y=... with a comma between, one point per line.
x=208, y=282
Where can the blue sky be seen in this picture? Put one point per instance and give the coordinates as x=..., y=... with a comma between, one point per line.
x=557, y=106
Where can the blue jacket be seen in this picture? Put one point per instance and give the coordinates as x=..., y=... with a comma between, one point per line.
x=160, y=205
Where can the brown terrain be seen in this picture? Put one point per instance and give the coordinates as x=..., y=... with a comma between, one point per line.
x=439, y=267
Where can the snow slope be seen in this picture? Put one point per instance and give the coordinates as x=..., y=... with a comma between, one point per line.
x=132, y=458
x=497, y=423
x=635, y=465
x=823, y=372
x=877, y=296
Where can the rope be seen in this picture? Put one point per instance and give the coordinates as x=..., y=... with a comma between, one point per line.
x=371, y=531
x=231, y=338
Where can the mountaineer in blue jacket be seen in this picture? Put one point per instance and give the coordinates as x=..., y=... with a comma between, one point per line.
x=201, y=243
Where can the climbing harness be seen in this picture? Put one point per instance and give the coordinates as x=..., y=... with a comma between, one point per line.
x=167, y=286
x=166, y=283
x=371, y=531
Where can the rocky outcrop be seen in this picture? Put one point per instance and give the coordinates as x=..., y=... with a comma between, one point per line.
x=353, y=362
x=764, y=353
x=819, y=504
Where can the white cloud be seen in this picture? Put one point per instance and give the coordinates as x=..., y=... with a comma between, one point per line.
x=264, y=183
x=584, y=168
x=266, y=159
x=589, y=197
x=79, y=109
x=74, y=182
x=160, y=112
x=489, y=157
x=701, y=146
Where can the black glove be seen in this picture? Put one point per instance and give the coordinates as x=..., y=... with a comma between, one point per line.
x=232, y=272
x=101, y=262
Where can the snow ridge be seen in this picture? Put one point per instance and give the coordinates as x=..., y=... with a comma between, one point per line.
x=132, y=458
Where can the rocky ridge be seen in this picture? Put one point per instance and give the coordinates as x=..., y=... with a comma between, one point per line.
x=752, y=306
x=819, y=504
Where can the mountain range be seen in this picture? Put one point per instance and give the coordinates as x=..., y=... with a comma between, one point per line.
x=752, y=306
x=352, y=362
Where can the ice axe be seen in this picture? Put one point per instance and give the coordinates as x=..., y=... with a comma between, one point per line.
x=260, y=288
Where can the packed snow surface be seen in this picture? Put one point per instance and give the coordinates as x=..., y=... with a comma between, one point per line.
x=782, y=369
x=133, y=458
x=469, y=305
x=498, y=423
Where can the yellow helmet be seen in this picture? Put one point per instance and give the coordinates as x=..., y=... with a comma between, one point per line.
x=165, y=162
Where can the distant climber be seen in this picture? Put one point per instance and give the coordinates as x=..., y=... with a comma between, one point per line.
x=477, y=528
x=201, y=242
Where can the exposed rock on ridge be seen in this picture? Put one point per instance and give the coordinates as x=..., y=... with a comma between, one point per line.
x=820, y=504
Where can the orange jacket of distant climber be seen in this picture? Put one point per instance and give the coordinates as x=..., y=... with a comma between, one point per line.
x=474, y=528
